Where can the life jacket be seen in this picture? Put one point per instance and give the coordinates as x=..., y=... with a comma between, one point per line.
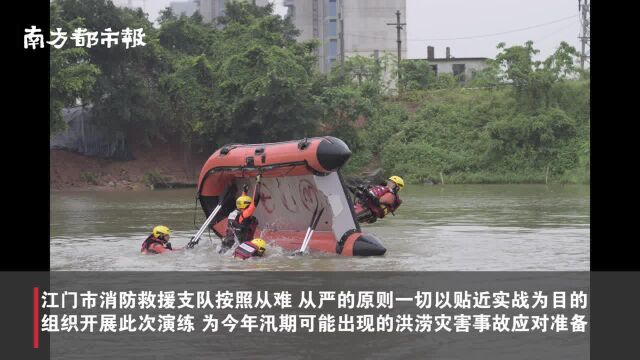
x=150, y=245
x=241, y=231
x=380, y=211
x=246, y=250
x=379, y=190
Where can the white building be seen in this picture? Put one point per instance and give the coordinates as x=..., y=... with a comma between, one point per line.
x=464, y=69
x=131, y=4
x=212, y=9
x=349, y=27
x=183, y=7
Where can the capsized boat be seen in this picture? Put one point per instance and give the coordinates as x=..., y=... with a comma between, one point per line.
x=297, y=178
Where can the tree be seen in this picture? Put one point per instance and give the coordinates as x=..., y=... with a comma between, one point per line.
x=184, y=35
x=533, y=80
x=190, y=95
x=71, y=74
x=125, y=96
x=352, y=94
x=262, y=78
x=417, y=74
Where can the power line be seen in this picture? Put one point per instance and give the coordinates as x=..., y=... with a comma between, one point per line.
x=468, y=37
x=506, y=32
x=371, y=8
x=539, y=40
x=399, y=27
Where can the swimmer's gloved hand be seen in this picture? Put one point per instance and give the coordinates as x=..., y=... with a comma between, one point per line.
x=168, y=246
x=372, y=197
x=360, y=191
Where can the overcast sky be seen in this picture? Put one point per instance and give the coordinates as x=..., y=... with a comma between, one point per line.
x=546, y=22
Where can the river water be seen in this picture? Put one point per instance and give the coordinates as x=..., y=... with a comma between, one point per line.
x=451, y=227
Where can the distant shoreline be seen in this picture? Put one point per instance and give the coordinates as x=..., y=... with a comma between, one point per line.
x=155, y=170
x=150, y=169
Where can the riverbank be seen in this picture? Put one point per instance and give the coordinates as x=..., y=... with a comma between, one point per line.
x=168, y=167
x=150, y=168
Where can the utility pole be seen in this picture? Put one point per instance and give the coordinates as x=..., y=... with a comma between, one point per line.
x=585, y=11
x=341, y=33
x=398, y=26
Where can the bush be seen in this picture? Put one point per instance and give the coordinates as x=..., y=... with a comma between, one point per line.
x=481, y=136
x=152, y=179
x=89, y=178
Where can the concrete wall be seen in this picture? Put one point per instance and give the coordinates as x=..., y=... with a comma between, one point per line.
x=302, y=15
x=211, y=9
x=361, y=27
x=366, y=30
x=206, y=9
x=186, y=7
x=446, y=66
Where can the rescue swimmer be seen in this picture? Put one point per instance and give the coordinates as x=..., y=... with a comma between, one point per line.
x=241, y=225
x=249, y=249
x=158, y=241
x=376, y=201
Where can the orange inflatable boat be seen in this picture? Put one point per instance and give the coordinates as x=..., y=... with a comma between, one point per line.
x=297, y=178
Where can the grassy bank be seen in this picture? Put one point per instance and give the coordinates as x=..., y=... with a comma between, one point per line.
x=463, y=135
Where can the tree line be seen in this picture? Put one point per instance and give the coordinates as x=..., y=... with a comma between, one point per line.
x=245, y=78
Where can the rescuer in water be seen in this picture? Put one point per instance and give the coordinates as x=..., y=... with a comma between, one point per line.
x=158, y=241
x=242, y=224
x=379, y=200
x=255, y=247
